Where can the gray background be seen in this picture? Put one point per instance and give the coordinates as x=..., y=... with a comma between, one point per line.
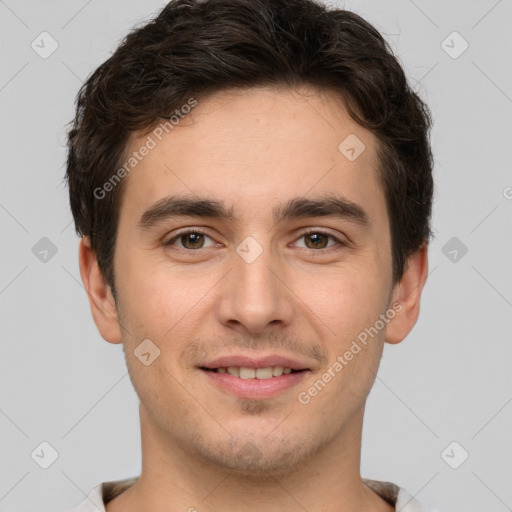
x=449, y=381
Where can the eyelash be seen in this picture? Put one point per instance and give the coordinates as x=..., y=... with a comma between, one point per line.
x=312, y=252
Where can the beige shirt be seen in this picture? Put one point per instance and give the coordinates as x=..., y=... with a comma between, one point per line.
x=106, y=491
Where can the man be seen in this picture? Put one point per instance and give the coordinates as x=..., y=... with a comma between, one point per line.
x=252, y=182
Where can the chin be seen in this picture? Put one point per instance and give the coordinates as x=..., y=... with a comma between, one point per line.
x=261, y=458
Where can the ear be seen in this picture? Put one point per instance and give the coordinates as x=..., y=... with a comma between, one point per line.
x=407, y=294
x=103, y=306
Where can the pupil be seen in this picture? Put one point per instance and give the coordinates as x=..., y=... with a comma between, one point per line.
x=317, y=237
x=192, y=239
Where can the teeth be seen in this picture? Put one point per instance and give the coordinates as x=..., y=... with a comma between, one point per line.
x=264, y=373
x=251, y=373
x=247, y=373
x=277, y=371
x=234, y=370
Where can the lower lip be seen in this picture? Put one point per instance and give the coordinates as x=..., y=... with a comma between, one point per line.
x=255, y=388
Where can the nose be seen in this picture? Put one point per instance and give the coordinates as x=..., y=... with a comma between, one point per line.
x=254, y=296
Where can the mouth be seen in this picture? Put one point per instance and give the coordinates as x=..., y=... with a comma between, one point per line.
x=246, y=373
x=251, y=378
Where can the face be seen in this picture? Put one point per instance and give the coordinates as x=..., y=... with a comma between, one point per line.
x=249, y=244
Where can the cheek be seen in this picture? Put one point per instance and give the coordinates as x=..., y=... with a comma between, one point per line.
x=354, y=346
x=161, y=302
x=345, y=299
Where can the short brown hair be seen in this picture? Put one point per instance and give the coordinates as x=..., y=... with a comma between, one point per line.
x=197, y=47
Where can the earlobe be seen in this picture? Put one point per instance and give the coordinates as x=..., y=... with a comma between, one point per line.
x=407, y=294
x=103, y=307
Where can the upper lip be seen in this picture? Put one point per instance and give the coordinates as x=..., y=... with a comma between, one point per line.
x=254, y=362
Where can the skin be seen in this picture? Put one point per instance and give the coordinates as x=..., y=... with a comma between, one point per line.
x=253, y=149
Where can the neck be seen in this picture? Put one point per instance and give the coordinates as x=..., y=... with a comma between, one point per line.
x=173, y=479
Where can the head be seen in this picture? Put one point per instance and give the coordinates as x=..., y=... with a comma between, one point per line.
x=251, y=178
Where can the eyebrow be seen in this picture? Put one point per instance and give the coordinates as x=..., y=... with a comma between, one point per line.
x=184, y=206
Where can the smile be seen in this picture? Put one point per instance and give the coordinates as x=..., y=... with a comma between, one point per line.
x=254, y=383
x=244, y=372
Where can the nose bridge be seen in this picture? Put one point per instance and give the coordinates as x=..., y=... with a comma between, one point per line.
x=252, y=295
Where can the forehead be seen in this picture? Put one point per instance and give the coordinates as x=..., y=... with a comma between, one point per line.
x=254, y=146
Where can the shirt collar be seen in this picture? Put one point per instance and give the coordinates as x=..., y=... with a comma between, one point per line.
x=107, y=491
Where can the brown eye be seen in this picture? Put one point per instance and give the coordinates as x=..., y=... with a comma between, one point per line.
x=190, y=240
x=316, y=240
